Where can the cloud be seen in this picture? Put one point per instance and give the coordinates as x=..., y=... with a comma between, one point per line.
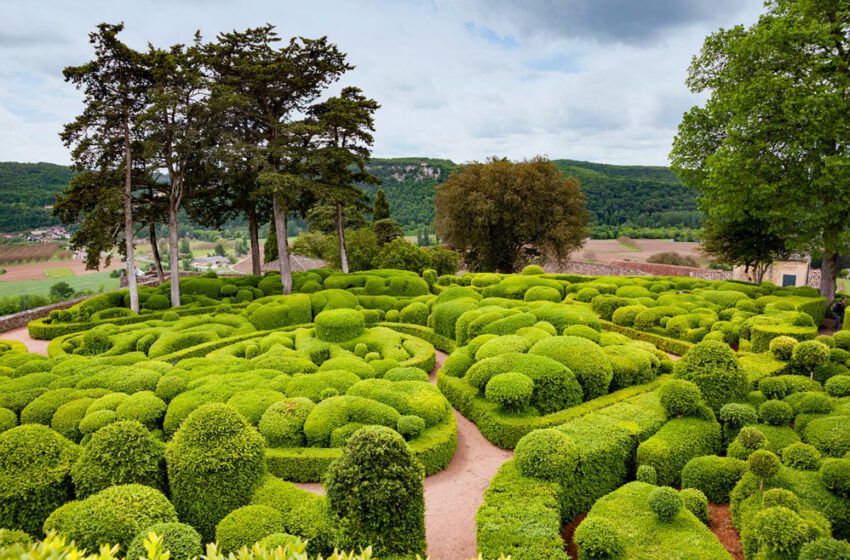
x=624, y=21
x=467, y=79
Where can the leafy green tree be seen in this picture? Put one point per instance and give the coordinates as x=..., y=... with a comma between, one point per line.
x=185, y=248
x=501, y=214
x=346, y=123
x=266, y=88
x=770, y=141
x=386, y=230
x=322, y=217
x=747, y=242
x=173, y=122
x=381, y=208
x=114, y=86
x=61, y=291
x=403, y=255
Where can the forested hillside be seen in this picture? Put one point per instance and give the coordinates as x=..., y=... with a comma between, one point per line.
x=616, y=195
x=25, y=190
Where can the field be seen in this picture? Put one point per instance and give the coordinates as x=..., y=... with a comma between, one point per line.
x=638, y=250
x=96, y=281
x=504, y=388
x=38, y=252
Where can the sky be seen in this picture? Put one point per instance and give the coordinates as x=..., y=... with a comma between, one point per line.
x=596, y=80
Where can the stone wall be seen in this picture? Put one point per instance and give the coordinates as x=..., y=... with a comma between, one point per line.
x=21, y=319
x=626, y=268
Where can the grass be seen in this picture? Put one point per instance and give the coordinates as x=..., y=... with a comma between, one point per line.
x=59, y=272
x=628, y=243
x=96, y=281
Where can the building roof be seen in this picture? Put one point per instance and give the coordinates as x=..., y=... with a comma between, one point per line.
x=297, y=262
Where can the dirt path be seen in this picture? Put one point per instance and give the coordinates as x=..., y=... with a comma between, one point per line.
x=22, y=335
x=453, y=495
x=720, y=523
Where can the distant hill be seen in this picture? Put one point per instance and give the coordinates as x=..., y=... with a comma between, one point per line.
x=638, y=195
x=25, y=190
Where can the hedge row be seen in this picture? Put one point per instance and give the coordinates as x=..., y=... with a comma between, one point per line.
x=667, y=344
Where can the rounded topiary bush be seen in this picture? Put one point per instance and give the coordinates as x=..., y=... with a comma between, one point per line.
x=764, y=464
x=838, y=386
x=782, y=347
x=647, y=473
x=809, y=354
x=278, y=540
x=752, y=438
x=409, y=426
x=247, y=525
x=120, y=453
x=532, y=270
x=779, y=529
x=35, y=465
x=665, y=503
x=815, y=403
x=713, y=367
x=735, y=416
x=549, y=453
x=375, y=494
x=179, y=539
x=406, y=374
x=144, y=407
x=801, y=456
x=116, y=515
x=8, y=419
x=252, y=403
x=835, y=474
x=598, y=539
x=10, y=537
x=680, y=398
x=696, y=503
x=583, y=331
x=585, y=359
x=776, y=497
x=96, y=420
x=282, y=424
x=511, y=390
x=714, y=476
x=825, y=549
x=543, y=293
x=776, y=413
x=339, y=325
x=215, y=460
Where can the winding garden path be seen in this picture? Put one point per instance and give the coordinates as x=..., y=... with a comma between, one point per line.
x=21, y=334
x=453, y=495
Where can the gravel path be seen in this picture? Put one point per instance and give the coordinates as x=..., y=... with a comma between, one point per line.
x=22, y=335
x=453, y=495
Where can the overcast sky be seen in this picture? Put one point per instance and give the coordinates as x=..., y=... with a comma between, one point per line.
x=598, y=80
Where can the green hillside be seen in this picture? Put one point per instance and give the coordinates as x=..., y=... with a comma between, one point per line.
x=637, y=195
x=25, y=189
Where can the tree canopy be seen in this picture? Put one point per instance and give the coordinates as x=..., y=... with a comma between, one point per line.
x=770, y=143
x=502, y=214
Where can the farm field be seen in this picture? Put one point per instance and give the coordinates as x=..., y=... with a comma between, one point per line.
x=500, y=386
x=96, y=281
x=42, y=270
x=638, y=250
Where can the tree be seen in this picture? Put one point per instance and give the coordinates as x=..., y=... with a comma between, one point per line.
x=185, y=248
x=265, y=89
x=501, y=214
x=114, y=86
x=770, y=141
x=173, y=121
x=381, y=208
x=61, y=291
x=270, y=250
x=346, y=123
x=386, y=230
x=403, y=255
x=747, y=242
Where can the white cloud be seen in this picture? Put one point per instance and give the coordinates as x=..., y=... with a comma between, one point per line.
x=462, y=80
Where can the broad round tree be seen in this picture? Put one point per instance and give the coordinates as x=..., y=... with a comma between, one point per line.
x=501, y=214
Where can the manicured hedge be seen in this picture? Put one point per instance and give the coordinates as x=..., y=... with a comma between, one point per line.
x=679, y=441
x=714, y=476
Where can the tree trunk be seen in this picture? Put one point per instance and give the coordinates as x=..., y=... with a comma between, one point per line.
x=173, y=256
x=256, y=268
x=758, y=272
x=340, y=234
x=828, y=273
x=157, y=261
x=282, y=245
x=132, y=286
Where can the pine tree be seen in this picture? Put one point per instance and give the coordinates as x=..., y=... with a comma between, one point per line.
x=381, y=209
x=270, y=248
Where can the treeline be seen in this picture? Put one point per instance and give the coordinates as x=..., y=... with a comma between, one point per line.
x=25, y=190
x=239, y=127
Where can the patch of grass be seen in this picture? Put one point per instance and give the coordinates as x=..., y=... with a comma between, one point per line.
x=59, y=272
x=97, y=281
x=629, y=244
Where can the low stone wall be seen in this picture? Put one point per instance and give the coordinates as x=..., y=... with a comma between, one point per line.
x=625, y=268
x=22, y=318
x=591, y=269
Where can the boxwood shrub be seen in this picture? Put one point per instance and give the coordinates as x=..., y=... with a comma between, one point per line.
x=679, y=441
x=714, y=476
x=246, y=525
x=180, y=539
x=215, y=461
